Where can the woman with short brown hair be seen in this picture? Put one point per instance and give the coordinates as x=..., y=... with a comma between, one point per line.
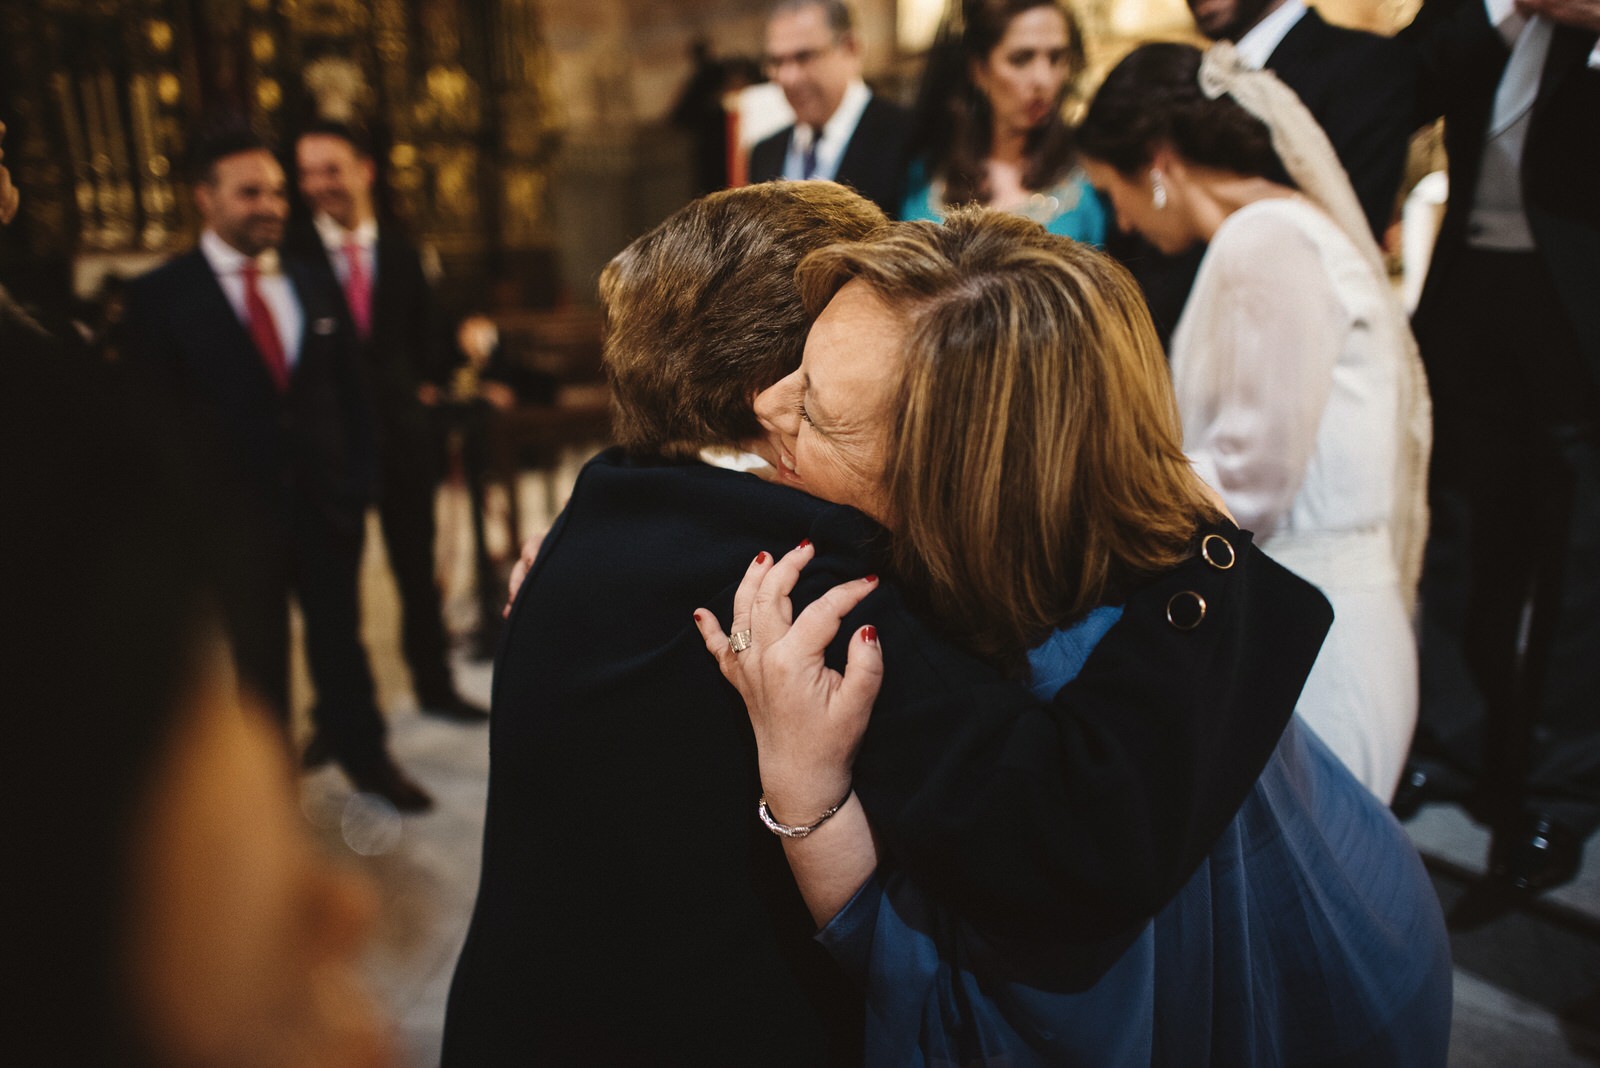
x=682, y=356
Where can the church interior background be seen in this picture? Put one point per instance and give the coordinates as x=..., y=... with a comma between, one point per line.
x=519, y=139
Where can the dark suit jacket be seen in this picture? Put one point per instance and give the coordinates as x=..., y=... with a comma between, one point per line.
x=1460, y=58
x=1360, y=89
x=632, y=909
x=874, y=161
x=311, y=444
x=405, y=348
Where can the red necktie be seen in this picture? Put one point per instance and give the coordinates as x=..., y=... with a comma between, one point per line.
x=357, y=287
x=263, y=329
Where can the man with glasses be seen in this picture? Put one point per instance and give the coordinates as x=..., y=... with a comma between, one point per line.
x=841, y=130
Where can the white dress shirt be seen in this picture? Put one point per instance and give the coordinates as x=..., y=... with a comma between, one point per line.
x=276, y=290
x=1257, y=46
x=836, y=134
x=334, y=238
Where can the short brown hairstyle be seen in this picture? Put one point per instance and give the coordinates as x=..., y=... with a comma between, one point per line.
x=703, y=312
x=1035, y=463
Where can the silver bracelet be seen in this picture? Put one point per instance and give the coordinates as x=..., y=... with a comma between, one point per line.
x=787, y=831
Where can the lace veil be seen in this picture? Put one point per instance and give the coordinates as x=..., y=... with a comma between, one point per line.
x=1312, y=164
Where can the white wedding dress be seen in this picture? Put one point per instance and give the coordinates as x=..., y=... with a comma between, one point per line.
x=1288, y=365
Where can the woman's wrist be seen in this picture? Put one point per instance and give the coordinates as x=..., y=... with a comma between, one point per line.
x=801, y=799
x=798, y=830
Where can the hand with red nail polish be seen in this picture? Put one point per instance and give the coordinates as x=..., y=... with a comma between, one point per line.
x=808, y=718
x=519, y=571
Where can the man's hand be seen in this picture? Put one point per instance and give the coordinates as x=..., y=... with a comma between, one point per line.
x=498, y=394
x=1581, y=14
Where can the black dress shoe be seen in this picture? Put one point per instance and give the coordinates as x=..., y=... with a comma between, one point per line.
x=457, y=708
x=1537, y=855
x=383, y=777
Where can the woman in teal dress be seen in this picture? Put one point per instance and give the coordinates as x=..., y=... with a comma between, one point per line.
x=989, y=127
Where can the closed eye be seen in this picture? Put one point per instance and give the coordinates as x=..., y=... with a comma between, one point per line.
x=800, y=410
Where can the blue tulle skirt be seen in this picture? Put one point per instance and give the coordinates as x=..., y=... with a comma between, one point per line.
x=1311, y=935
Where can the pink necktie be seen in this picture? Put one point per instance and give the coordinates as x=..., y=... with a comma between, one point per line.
x=357, y=287
x=263, y=329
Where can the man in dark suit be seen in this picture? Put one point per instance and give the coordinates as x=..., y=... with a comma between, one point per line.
x=1357, y=86
x=841, y=130
x=391, y=306
x=255, y=351
x=1510, y=331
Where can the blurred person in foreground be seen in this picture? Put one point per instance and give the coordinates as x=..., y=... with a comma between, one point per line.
x=1015, y=374
x=633, y=909
x=1301, y=392
x=842, y=131
x=169, y=909
x=989, y=128
x=391, y=306
x=255, y=351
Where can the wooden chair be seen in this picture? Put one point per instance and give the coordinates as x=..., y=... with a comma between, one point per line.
x=564, y=345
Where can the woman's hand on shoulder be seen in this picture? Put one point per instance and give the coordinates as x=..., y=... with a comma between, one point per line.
x=808, y=719
x=519, y=571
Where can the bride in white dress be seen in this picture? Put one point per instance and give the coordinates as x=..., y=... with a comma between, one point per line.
x=1296, y=376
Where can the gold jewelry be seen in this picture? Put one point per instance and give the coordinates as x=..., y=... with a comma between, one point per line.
x=785, y=830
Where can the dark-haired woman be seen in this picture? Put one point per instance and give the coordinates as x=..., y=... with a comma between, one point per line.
x=1296, y=376
x=989, y=127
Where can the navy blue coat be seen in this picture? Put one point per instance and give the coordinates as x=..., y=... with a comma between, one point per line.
x=310, y=445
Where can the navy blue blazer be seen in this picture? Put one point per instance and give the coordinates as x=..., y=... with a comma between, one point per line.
x=1360, y=88
x=312, y=444
x=406, y=346
x=632, y=909
x=874, y=161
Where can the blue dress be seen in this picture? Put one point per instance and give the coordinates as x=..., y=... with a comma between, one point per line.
x=1070, y=207
x=1310, y=935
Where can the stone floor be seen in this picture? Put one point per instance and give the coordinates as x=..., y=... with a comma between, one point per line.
x=1527, y=985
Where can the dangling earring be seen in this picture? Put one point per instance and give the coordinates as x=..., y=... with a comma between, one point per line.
x=1158, y=190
